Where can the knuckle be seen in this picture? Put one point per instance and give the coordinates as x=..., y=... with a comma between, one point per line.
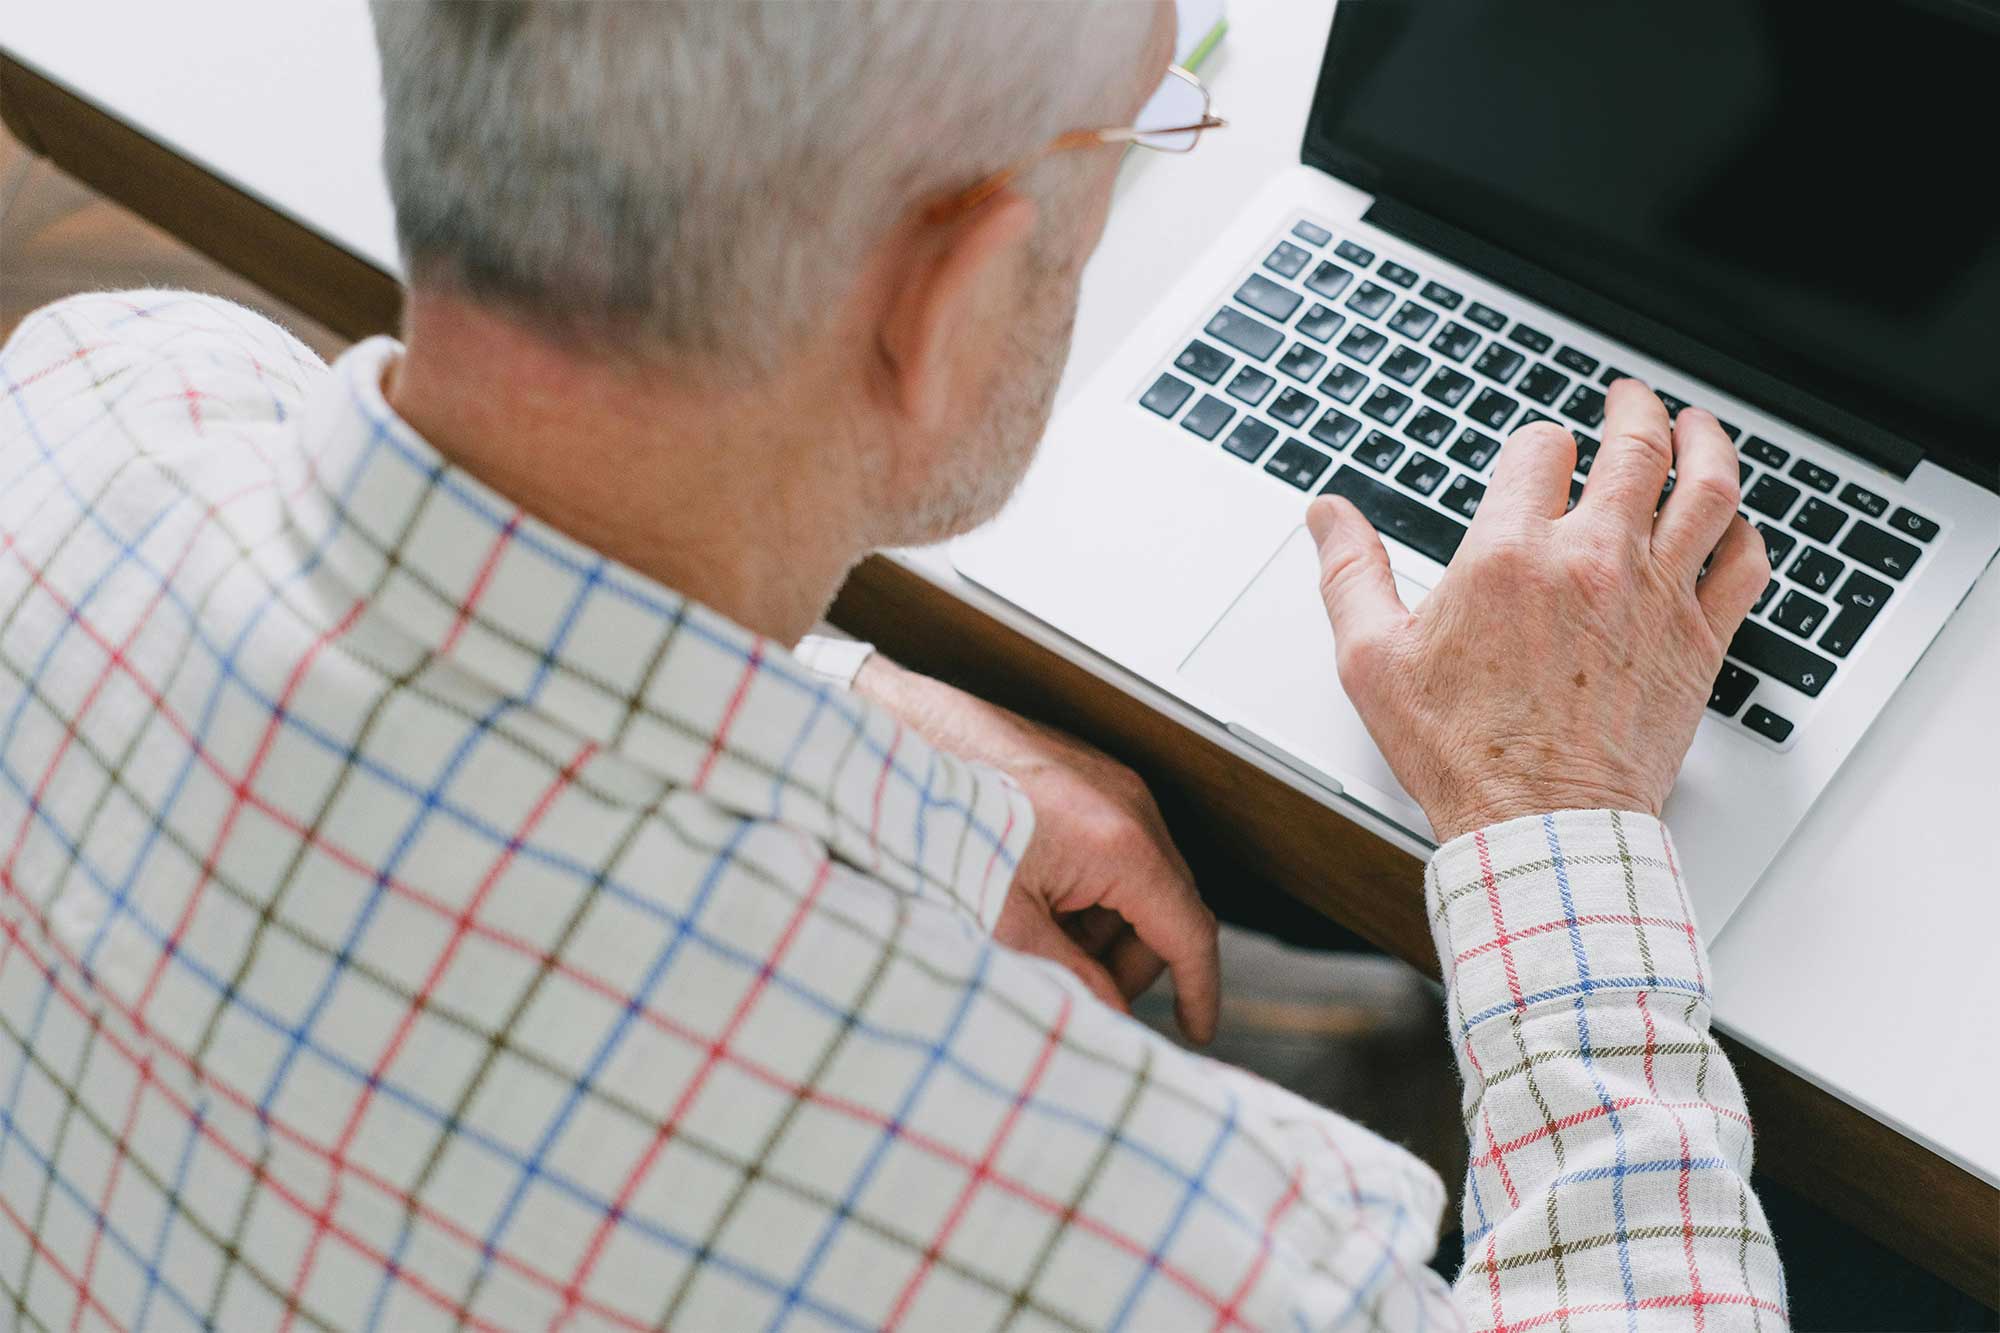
x=1358, y=658
x=1649, y=440
x=1596, y=570
x=1715, y=490
x=1335, y=574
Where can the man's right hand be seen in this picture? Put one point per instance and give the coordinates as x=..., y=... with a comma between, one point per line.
x=1564, y=660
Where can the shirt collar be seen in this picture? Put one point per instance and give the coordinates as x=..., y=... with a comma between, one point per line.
x=556, y=628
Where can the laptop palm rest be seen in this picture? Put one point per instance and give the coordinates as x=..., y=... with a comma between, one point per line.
x=1268, y=664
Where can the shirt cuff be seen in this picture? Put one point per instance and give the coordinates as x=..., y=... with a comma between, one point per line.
x=836, y=661
x=1551, y=907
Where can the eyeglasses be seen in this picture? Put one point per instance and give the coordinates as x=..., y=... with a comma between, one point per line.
x=1171, y=122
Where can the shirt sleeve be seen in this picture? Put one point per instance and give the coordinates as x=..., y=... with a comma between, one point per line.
x=1609, y=1174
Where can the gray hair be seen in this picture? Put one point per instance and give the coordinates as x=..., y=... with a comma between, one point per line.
x=701, y=176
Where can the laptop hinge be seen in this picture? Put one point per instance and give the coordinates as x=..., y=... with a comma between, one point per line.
x=1831, y=423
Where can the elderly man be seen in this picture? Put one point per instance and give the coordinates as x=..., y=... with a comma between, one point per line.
x=436, y=895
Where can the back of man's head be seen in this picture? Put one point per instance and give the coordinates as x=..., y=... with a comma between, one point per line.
x=700, y=178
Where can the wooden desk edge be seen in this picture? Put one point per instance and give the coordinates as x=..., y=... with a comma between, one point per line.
x=1233, y=821
x=237, y=230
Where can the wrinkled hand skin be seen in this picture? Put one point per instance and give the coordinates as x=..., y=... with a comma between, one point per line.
x=1101, y=889
x=1564, y=660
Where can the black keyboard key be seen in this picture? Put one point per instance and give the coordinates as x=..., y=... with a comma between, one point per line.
x=1473, y=449
x=1252, y=337
x=1301, y=362
x=1575, y=494
x=1250, y=439
x=1391, y=271
x=1269, y=299
x=1167, y=395
x=1371, y=300
x=1449, y=386
x=1329, y=279
x=1335, y=429
x=1731, y=689
x=1743, y=471
x=1251, y=385
x=1378, y=451
x=1772, y=497
x=1438, y=294
x=1499, y=363
x=1422, y=474
x=1584, y=405
x=1311, y=233
x=1412, y=320
x=1344, y=383
x=1813, y=475
x=1463, y=495
x=1542, y=383
x=1491, y=409
x=1883, y=552
x=1533, y=339
x=1586, y=454
x=1671, y=403
x=1846, y=630
x=1205, y=363
x=1207, y=417
x=1777, y=543
x=1867, y=502
x=1486, y=317
x=1354, y=254
x=1411, y=522
x=1799, y=613
x=1386, y=405
x=1864, y=592
x=1531, y=416
x=1764, y=597
x=1405, y=365
x=1859, y=601
x=1731, y=429
x=1912, y=525
x=1819, y=520
x=1767, y=723
x=1429, y=427
x=1815, y=570
x=1761, y=449
x=1570, y=358
x=1611, y=375
x=1455, y=341
x=1288, y=260
x=1320, y=323
x=1764, y=649
x=1299, y=464
x=1292, y=407
x=1363, y=344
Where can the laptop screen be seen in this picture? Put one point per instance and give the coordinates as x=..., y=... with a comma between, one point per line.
x=1807, y=188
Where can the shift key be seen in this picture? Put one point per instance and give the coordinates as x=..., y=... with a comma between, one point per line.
x=1781, y=658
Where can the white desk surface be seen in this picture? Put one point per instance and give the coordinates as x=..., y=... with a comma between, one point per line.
x=1862, y=961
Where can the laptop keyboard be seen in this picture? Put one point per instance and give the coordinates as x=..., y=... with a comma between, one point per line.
x=1337, y=370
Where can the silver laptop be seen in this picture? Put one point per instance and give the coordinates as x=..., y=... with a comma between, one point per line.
x=1765, y=210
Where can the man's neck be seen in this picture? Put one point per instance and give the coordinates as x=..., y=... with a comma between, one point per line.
x=731, y=498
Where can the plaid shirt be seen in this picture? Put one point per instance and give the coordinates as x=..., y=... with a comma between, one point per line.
x=413, y=919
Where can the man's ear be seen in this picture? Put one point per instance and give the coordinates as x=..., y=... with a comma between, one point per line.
x=940, y=295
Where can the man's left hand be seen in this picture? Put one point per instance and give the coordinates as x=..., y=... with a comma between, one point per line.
x=1102, y=889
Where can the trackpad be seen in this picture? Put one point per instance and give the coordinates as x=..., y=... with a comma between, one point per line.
x=1268, y=663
